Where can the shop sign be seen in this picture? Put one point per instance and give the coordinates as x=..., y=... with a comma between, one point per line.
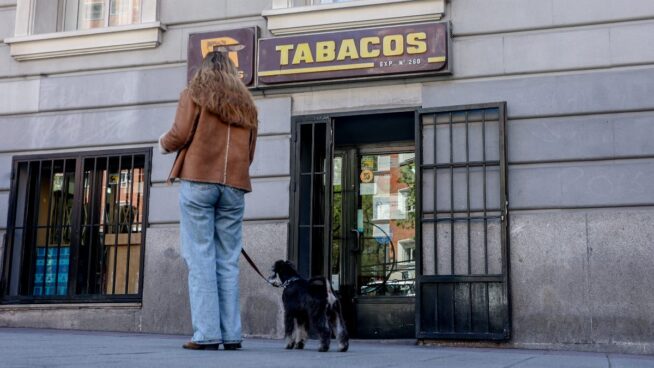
x=238, y=43
x=415, y=48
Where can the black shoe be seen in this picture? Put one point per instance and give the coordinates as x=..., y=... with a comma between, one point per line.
x=194, y=346
x=232, y=346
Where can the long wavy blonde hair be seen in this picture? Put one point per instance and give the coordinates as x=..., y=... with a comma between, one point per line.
x=218, y=87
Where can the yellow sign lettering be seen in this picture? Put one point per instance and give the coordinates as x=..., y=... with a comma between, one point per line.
x=325, y=51
x=416, y=43
x=302, y=54
x=348, y=49
x=393, y=45
x=365, y=46
x=283, y=49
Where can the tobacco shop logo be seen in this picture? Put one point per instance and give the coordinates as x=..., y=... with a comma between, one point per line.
x=237, y=43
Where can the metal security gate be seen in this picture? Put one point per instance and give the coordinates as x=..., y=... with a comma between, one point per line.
x=311, y=194
x=463, y=290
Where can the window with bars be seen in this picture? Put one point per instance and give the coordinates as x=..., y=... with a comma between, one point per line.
x=76, y=227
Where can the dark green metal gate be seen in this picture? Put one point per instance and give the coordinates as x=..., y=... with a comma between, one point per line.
x=463, y=290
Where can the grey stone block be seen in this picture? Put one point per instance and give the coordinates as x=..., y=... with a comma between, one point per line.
x=19, y=96
x=560, y=138
x=272, y=156
x=4, y=209
x=7, y=20
x=475, y=56
x=87, y=317
x=251, y=8
x=621, y=258
x=470, y=16
x=533, y=52
x=624, y=182
x=627, y=42
x=172, y=12
x=274, y=115
x=632, y=134
x=86, y=129
x=580, y=137
x=165, y=290
x=112, y=88
x=5, y=171
x=549, y=278
x=261, y=304
x=269, y=199
x=161, y=165
x=535, y=96
x=592, y=11
x=164, y=205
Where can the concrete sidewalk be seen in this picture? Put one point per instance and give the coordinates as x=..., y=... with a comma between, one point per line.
x=52, y=348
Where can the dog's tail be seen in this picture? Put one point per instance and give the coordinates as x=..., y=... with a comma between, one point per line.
x=335, y=316
x=331, y=296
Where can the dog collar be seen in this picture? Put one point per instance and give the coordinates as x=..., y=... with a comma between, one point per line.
x=289, y=281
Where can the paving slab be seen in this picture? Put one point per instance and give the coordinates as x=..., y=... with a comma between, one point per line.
x=60, y=348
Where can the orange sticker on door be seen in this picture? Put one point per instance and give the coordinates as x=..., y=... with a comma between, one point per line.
x=366, y=176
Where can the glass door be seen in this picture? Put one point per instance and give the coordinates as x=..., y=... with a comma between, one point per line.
x=373, y=239
x=386, y=224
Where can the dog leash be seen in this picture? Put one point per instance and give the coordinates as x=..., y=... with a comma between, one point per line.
x=254, y=266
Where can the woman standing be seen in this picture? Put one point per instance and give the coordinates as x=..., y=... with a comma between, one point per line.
x=214, y=132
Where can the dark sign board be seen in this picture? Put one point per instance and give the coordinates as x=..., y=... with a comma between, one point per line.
x=238, y=43
x=415, y=48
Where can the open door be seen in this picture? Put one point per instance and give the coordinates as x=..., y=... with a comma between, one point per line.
x=463, y=287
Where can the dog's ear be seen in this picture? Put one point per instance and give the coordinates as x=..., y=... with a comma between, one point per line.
x=277, y=265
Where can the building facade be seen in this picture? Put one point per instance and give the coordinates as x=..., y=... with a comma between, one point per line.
x=461, y=170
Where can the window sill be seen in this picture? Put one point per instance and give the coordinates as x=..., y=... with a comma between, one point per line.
x=362, y=13
x=51, y=45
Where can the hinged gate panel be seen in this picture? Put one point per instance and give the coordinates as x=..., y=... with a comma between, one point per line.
x=311, y=194
x=463, y=290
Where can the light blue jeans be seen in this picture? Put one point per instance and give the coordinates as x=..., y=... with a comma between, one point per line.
x=211, y=233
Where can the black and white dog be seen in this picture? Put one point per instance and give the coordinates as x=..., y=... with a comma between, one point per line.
x=309, y=304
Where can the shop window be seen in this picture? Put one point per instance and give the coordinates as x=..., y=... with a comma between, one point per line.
x=76, y=227
x=53, y=28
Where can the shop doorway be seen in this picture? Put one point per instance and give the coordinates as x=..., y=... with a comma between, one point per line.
x=354, y=201
x=407, y=214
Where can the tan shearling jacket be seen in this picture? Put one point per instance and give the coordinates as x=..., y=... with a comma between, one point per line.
x=217, y=151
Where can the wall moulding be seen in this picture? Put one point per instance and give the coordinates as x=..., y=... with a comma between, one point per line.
x=139, y=36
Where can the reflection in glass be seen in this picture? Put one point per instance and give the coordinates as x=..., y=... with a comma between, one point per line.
x=387, y=202
x=104, y=13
